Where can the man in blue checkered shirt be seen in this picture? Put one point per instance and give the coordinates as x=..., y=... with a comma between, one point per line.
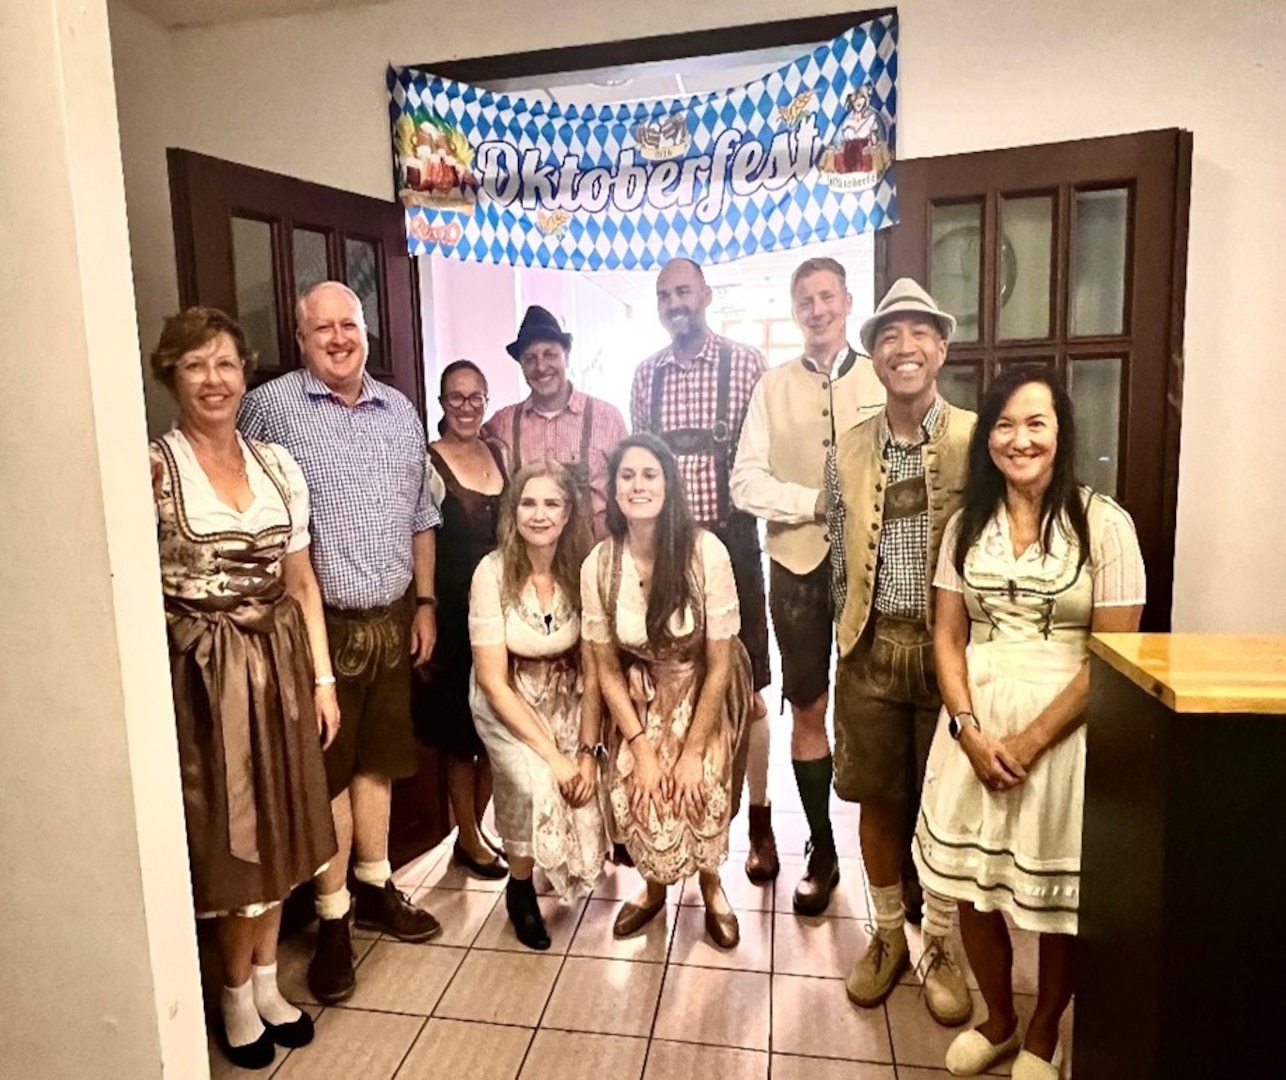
x=362, y=450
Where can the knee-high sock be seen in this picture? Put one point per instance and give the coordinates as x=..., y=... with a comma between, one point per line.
x=814, y=780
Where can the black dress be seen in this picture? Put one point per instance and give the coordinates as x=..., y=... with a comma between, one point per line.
x=468, y=532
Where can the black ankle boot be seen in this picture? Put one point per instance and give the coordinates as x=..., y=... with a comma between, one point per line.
x=524, y=913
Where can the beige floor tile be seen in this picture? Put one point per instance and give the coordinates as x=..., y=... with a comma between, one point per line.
x=500, y=988
x=742, y=893
x=594, y=935
x=462, y=913
x=720, y=1008
x=692, y=943
x=688, y=1061
x=294, y=954
x=410, y=877
x=574, y=1055
x=818, y=946
x=790, y=1067
x=918, y=1040
x=815, y=1017
x=610, y=997
x=848, y=901
x=561, y=921
x=624, y=882
x=455, y=1048
x=908, y=1073
x=396, y=977
x=351, y=1043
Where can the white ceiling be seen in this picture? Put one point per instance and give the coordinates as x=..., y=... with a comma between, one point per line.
x=179, y=13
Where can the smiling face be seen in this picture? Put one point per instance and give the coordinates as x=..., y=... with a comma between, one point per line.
x=908, y=352
x=209, y=383
x=681, y=301
x=640, y=485
x=542, y=512
x=332, y=337
x=1024, y=440
x=464, y=400
x=544, y=366
x=821, y=307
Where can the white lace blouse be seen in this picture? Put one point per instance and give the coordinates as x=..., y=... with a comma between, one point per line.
x=525, y=629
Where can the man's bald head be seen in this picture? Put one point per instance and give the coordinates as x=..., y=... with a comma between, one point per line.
x=682, y=297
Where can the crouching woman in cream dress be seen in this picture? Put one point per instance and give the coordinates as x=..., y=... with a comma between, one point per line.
x=1029, y=567
x=534, y=696
x=661, y=611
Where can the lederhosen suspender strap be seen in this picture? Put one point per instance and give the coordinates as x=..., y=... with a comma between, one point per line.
x=586, y=432
x=715, y=441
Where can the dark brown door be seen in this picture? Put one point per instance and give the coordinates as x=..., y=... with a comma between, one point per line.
x=250, y=242
x=1071, y=255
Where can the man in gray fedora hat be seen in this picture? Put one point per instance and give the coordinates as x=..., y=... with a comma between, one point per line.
x=897, y=479
x=557, y=421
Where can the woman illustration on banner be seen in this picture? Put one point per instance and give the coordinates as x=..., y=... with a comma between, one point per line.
x=863, y=138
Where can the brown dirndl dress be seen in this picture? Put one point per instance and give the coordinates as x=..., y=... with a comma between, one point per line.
x=254, y=786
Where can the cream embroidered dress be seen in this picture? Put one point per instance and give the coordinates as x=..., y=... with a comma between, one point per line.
x=254, y=786
x=1029, y=617
x=664, y=685
x=532, y=816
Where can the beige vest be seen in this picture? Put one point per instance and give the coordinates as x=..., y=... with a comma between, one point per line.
x=802, y=403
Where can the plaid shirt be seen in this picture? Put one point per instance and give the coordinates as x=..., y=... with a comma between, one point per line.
x=904, y=541
x=367, y=475
x=688, y=400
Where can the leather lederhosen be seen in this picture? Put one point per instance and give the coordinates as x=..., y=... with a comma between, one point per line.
x=579, y=468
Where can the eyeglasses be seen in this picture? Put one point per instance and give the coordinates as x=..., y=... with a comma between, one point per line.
x=456, y=400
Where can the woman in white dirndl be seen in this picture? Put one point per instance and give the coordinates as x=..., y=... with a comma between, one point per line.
x=1029, y=567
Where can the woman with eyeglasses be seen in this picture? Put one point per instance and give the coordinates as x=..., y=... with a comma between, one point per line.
x=467, y=481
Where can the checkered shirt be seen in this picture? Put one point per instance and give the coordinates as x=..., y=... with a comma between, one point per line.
x=904, y=543
x=367, y=475
x=688, y=400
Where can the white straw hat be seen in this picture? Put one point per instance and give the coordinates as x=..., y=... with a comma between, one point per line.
x=906, y=295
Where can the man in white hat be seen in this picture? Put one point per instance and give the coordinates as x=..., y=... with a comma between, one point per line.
x=898, y=478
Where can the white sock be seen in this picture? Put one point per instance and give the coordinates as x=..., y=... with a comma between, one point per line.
x=332, y=905
x=240, y=1017
x=757, y=761
x=268, y=1000
x=373, y=873
x=887, y=904
x=938, y=915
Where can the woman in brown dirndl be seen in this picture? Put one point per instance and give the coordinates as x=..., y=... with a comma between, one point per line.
x=254, y=696
x=660, y=608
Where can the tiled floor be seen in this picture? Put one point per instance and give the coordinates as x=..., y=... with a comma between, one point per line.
x=666, y=1005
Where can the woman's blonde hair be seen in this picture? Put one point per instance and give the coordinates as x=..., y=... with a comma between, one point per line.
x=573, y=544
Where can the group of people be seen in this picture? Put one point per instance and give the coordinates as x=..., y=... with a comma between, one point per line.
x=577, y=618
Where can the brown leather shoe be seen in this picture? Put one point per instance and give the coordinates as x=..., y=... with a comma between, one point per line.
x=813, y=893
x=330, y=972
x=723, y=929
x=762, y=864
x=391, y=912
x=633, y=917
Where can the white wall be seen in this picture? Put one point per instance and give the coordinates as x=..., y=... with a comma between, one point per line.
x=98, y=950
x=981, y=75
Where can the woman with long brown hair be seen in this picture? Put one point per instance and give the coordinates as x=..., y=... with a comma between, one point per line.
x=660, y=607
x=535, y=695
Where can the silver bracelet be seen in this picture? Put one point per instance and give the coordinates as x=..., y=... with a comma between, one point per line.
x=325, y=680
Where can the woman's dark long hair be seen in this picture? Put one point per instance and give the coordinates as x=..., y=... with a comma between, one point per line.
x=675, y=537
x=1061, y=507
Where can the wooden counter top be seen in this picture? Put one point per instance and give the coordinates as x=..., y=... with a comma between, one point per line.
x=1202, y=673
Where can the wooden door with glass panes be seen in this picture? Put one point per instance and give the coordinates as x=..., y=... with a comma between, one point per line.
x=1071, y=256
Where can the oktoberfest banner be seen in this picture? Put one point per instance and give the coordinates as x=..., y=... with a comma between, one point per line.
x=804, y=154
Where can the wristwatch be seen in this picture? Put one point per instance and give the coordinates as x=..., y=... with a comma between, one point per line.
x=598, y=750
x=426, y=601
x=954, y=727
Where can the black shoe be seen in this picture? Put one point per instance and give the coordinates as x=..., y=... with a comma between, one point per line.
x=813, y=893
x=524, y=913
x=330, y=972
x=390, y=911
x=293, y=1035
x=256, y=1055
x=492, y=871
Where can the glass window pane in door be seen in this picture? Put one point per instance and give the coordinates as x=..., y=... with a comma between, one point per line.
x=1095, y=387
x=955, y=264
x=1025, y=271
x=1100, y=226
x=256, y=291
x=958, y=383
x=362, y=260
x=311, y=263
